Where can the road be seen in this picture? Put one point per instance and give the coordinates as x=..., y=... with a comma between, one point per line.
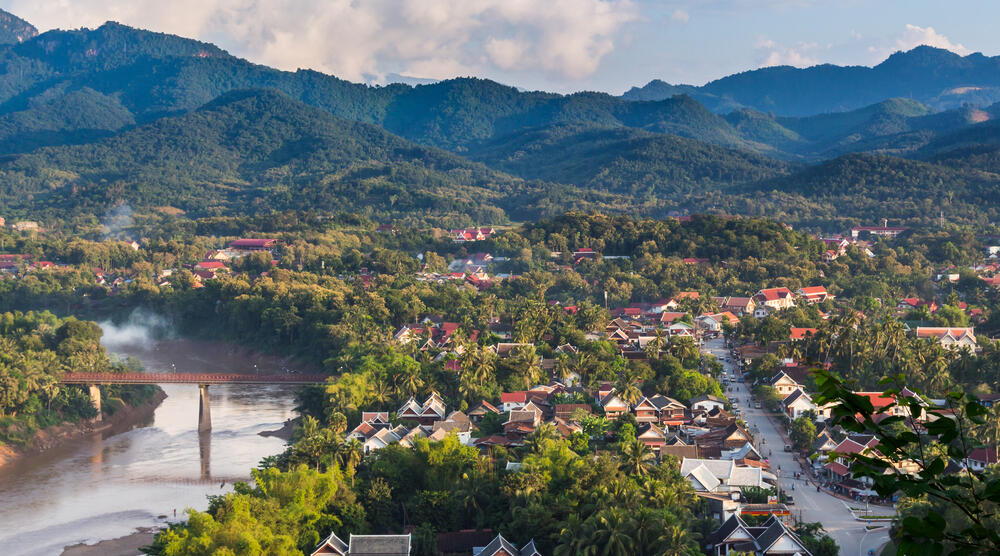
x=809, y=506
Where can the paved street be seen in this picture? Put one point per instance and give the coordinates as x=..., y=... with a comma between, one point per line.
x=809, y=505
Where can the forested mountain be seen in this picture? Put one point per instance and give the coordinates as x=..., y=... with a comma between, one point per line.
x=92, y=118
x=14, y=29
x=257, y=150
x=624, y=160
x=933, y=76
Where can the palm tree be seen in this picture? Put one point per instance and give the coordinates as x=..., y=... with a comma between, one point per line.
x=349, y=456
x=636, y=458
x=611, y=530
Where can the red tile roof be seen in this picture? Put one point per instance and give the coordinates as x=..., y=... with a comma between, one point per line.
x=802, y=333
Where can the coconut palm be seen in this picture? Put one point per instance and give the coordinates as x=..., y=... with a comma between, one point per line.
x=636, y=458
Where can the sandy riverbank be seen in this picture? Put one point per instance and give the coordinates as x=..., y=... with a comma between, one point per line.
x=53, y=436
x=128, y=545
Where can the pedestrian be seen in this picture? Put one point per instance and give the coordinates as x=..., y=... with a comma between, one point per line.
x=175, y=512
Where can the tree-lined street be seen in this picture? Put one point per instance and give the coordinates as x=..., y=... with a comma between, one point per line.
x=809, y=505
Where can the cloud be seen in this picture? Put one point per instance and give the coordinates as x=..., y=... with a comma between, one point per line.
x=771, y=53
x=916, y=36
x=681, y=16
x=559, y=39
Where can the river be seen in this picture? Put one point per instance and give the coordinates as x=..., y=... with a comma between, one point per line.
x=109, y=485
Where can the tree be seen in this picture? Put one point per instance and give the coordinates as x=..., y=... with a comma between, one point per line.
x=803, y=433
x=941, y=510
x=636, y=457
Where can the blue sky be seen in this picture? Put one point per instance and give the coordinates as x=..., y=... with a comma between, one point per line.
x=557, y=45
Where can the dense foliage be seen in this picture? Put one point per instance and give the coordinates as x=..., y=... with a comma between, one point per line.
x=36, y=349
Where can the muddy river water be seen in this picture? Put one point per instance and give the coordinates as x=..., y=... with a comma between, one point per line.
x=108, y=485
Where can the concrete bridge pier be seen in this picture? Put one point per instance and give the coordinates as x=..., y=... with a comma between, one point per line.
x=205, y=453
x=95, y=399
x=204, y=409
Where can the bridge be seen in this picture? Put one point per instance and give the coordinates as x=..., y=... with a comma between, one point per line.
x=203, y=380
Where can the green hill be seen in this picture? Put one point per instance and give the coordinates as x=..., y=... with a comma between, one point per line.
x=624, y=160
x=251, y=151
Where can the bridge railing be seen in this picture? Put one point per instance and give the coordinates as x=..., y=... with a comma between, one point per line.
x=190, y=378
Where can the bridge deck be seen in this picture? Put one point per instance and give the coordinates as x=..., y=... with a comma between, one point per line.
x=190, y=378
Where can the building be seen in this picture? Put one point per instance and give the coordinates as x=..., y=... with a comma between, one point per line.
x=707, y=402
x=801, y=333
x=881, y=231
x=253, y=244
x=773, y=537
x=950, y=338
x=814, y=294
x=25, y=226
x=715, y=475
x=784, y=383
x=502, y=547
x=775, y=298
x=365, y=545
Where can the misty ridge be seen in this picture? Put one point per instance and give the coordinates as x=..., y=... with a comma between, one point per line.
x=142, y=328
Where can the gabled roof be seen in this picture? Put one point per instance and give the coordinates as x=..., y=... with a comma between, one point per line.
x=331, y=545
x=496, y=545
x=371, y=545
x=704, y=477
x=774, y=532
x=794, y=397
x=482, y=408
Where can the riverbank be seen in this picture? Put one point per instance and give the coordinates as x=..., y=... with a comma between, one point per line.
x=128, y=545
x=50, y=437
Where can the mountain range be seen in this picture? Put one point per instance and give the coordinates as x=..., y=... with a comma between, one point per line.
x=94, y=117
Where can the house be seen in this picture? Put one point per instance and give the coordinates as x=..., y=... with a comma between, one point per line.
x=909, y=303
x=739, y=306
x=433, y=409
x=981, y=458
x=667, y=317
x=365, y=545
x=707, y=402
x=646, y=411
x=882, y=231
x=680, y=329
x=951, y=338
x=775, y=298
x=830, y=255
x=565, y=411
x=801, y=333
x=761, y=311
x=502, y=547
x=714, y=475
x=253, y=244
x=784, y=383
x=613, y=406
x=798, y=402
x=671, y=412
x=813, y=294
x=713, y=443
x=480, y=410
x=773, y=537
x=652, y=436
x=512, y=401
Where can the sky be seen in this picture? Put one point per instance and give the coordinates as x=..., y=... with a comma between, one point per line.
x=553, y=45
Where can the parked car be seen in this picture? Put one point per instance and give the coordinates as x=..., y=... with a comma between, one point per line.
x=788, y=447
x=756, y=405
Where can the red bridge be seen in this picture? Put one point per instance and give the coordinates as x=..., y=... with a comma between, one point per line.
x=190, y=378
x=203, y=380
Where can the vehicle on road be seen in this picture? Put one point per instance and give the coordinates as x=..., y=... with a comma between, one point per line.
x=756, y=405
x=788, y=447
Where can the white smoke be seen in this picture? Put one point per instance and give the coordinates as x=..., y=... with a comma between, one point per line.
x=142, y=329
x=116, y=222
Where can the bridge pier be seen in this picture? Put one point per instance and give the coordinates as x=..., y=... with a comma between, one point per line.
x=204, y=409
x=95, y=399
